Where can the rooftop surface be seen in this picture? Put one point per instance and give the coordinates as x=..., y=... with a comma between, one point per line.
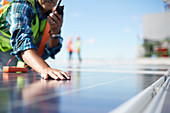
x=95, y=87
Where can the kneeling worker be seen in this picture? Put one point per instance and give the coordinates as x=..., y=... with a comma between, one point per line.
x=23, y=26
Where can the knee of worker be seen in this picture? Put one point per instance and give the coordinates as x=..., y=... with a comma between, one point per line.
x=5, y=57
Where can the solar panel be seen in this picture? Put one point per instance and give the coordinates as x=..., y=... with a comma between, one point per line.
x=93, y=88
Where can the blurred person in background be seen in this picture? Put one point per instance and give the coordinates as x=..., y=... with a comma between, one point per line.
x=23, y=25
x=78, y=45
x=69, y=47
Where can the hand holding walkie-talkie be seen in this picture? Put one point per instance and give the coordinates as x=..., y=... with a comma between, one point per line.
x=55, y=19
x=59, y=8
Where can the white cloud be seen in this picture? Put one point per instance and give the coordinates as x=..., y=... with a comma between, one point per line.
x=75, y=14
x=90, y=41
x=127, y=30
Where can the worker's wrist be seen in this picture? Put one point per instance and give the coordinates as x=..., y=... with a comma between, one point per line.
x=54, y=35
x=54, y=32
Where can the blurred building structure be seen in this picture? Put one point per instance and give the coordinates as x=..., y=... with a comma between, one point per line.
x=156, y=33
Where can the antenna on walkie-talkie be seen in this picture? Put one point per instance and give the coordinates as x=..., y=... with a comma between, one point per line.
x=59, y=3
x=59, y=8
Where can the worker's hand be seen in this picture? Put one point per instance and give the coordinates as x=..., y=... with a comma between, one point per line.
x=55, y=74
x=55, y=20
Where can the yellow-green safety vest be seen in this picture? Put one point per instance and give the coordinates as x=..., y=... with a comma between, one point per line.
x=35, y=26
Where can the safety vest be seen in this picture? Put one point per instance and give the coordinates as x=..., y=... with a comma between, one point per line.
x=78, y=46
x=35, y=26
x=69, y=46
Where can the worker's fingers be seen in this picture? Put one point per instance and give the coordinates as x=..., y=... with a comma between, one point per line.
x=66, y=75
x=55, y=17
x=59, y=17
x=50, y=21
x=60, y=75
x=44, y=76
x=53, y=75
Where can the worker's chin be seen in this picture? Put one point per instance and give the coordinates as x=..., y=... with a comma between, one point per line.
x=50, y=4
x=47, y=7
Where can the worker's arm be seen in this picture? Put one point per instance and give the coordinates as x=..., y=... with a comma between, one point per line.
x=53, y=46
x=22, y=37
x=32, y=59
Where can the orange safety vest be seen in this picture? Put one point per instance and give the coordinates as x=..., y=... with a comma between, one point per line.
x=69, y=46
x=4, y=4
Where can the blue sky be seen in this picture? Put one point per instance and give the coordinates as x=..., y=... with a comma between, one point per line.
x=108, y=29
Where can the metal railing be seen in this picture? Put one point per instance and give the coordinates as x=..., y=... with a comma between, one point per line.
x=149, y=100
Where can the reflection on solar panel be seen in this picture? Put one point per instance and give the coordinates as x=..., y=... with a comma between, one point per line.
x=94, y=88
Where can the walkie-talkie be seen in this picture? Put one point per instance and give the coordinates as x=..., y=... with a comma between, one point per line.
x=59, y=8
